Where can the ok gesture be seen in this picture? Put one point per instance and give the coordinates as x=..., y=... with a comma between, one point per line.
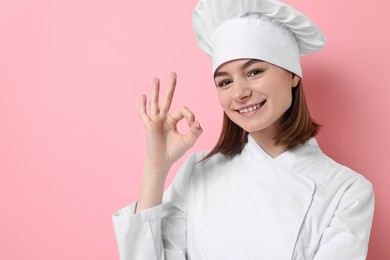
x=165, y=144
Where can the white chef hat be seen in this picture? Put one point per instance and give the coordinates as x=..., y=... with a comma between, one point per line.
x=267, y=30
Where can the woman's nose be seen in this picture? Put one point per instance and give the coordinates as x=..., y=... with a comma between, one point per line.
x=241, y=91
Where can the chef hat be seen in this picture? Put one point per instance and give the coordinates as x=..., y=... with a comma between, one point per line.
x=267, y=30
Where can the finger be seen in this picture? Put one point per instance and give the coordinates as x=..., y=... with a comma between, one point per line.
x=178, y=115
x=154, y=110
x=166, y=104
x=142, y=110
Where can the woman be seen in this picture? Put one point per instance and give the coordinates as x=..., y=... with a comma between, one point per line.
x=266, y=191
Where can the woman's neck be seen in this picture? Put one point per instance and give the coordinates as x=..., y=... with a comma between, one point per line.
x=265, y=139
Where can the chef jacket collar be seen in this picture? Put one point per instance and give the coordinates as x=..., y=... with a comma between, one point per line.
x=289, y=157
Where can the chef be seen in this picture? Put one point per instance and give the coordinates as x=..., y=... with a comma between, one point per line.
x=266, y=190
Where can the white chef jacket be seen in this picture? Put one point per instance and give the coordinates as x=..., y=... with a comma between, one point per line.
x=299, y=205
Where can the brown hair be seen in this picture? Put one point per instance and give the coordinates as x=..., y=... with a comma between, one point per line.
x=296, y=128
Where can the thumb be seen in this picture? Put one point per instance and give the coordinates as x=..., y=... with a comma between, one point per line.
x=193, y=135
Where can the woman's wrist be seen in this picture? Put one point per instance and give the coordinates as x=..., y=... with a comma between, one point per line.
x=152, y=185
x=159, y=170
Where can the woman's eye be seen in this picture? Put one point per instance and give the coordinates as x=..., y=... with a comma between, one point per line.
x=255, y=72
x=224, y=83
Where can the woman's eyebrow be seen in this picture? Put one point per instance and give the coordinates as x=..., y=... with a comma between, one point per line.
x=242, y=67
x=249, y=63
x=220, y=73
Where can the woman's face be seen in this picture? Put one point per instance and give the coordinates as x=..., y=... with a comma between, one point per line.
x=254, y=94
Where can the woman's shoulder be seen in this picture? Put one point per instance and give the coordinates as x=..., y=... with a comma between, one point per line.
x=340, y=175
x=216, y=165
x=198, y=160
x=346, y=171
x=325, y=170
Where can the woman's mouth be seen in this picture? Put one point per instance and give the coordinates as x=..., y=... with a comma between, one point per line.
x=251, y=108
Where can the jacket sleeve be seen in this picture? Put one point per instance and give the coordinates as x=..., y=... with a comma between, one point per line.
x=158, y=233
x=346, y=238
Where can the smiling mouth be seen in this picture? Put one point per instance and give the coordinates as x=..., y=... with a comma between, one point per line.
x=252, y=108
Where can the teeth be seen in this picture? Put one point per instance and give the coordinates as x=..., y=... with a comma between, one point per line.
x=249, y=109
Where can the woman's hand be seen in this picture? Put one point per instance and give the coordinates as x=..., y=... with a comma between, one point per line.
x=165, y=144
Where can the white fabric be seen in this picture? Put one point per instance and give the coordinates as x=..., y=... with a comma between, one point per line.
x=256, y=38
x=299, y=205
x=267, y=30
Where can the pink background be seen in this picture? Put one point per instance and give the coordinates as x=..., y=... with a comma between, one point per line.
x=71, y=143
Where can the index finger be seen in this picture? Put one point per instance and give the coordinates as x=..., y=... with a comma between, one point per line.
x=166, y=104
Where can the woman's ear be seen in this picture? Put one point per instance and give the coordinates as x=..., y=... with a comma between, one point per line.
x=295, y=80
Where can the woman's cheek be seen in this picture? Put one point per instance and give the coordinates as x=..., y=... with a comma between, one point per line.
x=222, y=95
